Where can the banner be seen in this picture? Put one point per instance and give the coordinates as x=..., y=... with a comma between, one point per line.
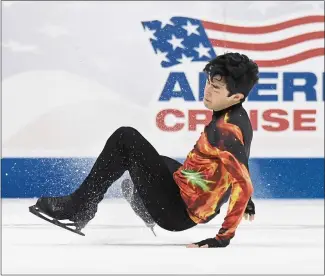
x=79, y=70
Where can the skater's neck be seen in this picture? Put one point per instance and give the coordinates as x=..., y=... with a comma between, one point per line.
x=218, y=113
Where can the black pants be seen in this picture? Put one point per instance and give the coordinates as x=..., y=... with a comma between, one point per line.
x=151, y=173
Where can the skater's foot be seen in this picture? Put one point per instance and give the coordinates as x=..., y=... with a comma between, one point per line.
x=131, y=195
x=66, y=208
x=56, y=207
x=73, y=227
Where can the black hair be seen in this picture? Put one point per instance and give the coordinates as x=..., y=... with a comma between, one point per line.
x=240, y=72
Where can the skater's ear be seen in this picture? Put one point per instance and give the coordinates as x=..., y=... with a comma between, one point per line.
x=236, y=98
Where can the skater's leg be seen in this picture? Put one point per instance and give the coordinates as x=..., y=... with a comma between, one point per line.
x=127, y=149
x=127, y=184
x=172, y=164
x=131, y=194
x=82, y=204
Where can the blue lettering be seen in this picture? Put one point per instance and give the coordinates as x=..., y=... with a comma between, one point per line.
x=169, y=89
x=254, y=93
x=177, y=86
x=289, y=88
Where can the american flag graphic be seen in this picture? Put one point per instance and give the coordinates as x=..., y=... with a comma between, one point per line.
x=181, y=40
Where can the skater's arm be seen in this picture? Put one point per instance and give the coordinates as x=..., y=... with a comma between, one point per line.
x=240, y=201
x=233, y=155
x=231, y=149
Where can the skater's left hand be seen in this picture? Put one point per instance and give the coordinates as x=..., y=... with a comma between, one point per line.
x=209, y=243
x=250, y=211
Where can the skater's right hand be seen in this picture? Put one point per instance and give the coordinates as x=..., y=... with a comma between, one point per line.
x=209, y=243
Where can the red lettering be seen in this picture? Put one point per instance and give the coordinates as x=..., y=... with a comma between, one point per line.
x=161, y=116
x=270, y=116
x=194, y=121
x=299, y=120
x=253, y=119
x=273, y=120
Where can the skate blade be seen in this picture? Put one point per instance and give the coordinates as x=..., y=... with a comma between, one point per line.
x=152, y=230
x=37, y=212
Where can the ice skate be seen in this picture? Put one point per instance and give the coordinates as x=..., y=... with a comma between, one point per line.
x=131, y=195
x=54, y=209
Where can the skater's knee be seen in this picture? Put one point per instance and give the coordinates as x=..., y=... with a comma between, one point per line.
x=126, y=130
x=129, y=131
x=123, y=131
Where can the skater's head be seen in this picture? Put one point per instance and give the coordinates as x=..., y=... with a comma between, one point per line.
x=230, y=78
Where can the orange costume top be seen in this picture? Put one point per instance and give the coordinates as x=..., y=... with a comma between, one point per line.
x=217, y=168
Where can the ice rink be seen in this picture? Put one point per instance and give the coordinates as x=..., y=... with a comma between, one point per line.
x=286, y=237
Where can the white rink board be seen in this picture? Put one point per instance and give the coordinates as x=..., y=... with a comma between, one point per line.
x=80, y=70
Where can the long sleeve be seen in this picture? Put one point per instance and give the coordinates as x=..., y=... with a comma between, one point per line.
x=233, y=155
x=217, y=165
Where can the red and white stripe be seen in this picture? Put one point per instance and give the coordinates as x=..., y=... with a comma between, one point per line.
x=272, y=45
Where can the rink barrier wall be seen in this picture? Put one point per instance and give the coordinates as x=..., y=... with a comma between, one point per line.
x=272, y=178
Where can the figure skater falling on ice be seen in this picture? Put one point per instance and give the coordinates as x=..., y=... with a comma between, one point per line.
x=165, y=192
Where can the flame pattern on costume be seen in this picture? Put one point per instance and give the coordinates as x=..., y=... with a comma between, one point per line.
x=209, y=171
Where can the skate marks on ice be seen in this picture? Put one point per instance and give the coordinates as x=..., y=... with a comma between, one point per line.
x=111, y=228
x=117, y=235
x=286, y=237
x=96, y=235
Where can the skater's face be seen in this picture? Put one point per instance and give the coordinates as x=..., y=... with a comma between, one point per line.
x=216, y=94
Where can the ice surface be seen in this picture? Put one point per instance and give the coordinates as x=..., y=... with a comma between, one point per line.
x=286, y=237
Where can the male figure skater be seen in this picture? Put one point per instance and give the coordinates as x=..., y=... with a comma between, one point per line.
x=172, y=195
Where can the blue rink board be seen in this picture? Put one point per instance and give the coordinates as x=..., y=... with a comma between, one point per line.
x=272, y=178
